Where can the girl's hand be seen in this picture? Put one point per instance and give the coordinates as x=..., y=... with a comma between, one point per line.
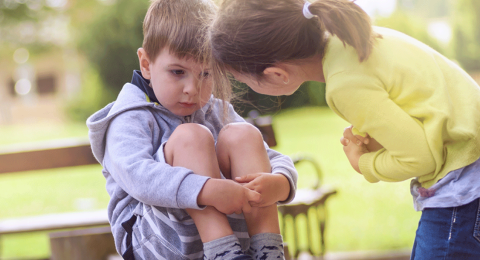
x=272, y=187
x=227, y=196
x=348, y=137
x=353, y=147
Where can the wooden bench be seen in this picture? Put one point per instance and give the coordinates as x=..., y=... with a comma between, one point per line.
x=77, y=152
x=49, y=155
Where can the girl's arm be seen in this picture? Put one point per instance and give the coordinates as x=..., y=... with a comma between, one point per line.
x=363, y=101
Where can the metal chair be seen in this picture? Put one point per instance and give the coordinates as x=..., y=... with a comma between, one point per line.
x=305, y=200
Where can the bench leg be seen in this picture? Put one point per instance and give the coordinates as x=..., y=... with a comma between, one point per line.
x=92, y=244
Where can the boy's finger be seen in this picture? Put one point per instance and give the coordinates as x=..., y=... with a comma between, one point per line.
x=253, y=196
x=249, y=186
x=246, y=208
x=246, y=178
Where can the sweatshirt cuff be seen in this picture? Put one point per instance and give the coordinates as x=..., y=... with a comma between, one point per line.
x=367, y=166
x=188, y=191
x=293, y=186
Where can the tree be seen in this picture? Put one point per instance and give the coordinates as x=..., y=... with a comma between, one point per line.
x=425, y=8
x=466, y=33
x=411, y=25
x=111, y=41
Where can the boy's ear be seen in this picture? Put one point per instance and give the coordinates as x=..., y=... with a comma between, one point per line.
x=277, y=75
x=144, y=63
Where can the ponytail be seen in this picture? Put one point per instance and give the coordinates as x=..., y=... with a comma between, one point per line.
x=348, y=22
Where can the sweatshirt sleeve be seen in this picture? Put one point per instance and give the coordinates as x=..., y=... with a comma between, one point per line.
x=129, y=158
x=281, y=164
x=364, y=102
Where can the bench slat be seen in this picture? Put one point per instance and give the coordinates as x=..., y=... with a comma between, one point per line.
x=25, y=159
x=54, y=222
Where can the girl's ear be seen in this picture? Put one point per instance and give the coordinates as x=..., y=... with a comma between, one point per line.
x=277, y=75
x=144, y=63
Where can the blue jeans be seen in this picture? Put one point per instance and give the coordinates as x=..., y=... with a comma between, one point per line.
x=449, y=233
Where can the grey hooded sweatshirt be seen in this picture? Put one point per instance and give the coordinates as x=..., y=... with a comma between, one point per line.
x=126, y=136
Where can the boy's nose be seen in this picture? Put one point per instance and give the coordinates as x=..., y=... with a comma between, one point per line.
x=191, y=88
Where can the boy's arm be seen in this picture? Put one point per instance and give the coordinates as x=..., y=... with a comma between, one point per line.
x=283, y=170
x=227, y=196
x=129, y=158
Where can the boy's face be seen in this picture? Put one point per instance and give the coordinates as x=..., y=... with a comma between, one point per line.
x=180, y=85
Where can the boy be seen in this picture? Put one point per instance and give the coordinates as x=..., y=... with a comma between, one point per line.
x=168, y=158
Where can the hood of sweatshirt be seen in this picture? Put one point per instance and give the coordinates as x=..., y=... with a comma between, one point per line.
x=133, y=95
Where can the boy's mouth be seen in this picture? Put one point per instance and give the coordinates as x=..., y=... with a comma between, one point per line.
x=187, y=104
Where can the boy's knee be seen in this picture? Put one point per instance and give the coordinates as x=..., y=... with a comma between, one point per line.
x=240, y=133
x=190, y=135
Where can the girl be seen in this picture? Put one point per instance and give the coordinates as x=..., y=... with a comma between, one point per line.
x=420, y=110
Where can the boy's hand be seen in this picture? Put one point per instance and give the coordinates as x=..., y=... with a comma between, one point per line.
x=227, y=196
x=272, y=187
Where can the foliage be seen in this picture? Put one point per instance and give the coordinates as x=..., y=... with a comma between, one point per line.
x=309, y=94
x=466, y=33
x=21, y=24
x=111, y=41
x=92, y=97
x=411, y=25
x=426, y=8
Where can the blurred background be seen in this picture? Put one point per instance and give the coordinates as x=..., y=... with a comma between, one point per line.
x=62, y=60
x=68, y=58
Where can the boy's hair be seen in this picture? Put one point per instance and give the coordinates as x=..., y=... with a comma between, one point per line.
x=179, y=25
x=250, y=35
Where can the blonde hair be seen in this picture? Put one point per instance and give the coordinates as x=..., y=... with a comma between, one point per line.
x=248, y=36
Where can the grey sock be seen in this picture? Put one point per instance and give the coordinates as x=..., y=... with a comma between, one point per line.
x=265, y=246
x=223, y=248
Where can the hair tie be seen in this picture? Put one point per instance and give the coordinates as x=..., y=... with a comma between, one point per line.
x=306, y=11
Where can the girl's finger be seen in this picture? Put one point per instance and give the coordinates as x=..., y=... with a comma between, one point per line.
x=344, y=141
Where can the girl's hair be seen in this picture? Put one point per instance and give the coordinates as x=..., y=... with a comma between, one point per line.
x=250, y=35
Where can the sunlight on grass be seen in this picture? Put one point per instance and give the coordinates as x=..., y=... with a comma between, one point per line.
x=362, y=216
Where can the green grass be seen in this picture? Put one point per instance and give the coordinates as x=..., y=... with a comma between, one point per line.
x=362, y=216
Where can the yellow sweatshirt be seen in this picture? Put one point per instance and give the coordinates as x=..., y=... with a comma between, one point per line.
x=422, y=107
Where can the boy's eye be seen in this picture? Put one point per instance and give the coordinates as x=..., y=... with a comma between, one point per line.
x=178, y=72
x=205, y=74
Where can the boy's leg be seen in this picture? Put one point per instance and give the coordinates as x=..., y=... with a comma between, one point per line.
x=192, y=146
x=240, y=151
